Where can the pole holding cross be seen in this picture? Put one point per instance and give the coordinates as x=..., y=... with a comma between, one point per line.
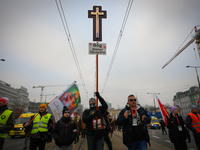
x=97, y=14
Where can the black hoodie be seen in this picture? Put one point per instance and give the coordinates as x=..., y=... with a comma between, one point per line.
x=64, y=132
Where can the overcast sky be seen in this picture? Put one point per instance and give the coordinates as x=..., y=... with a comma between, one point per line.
x=37, y=51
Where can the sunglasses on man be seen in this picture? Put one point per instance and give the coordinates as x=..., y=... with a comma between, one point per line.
x=132, y=100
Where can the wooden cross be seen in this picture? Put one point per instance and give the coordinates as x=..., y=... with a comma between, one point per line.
x=97, y=14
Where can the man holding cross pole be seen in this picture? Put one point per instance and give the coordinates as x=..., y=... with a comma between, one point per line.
x=93, y=118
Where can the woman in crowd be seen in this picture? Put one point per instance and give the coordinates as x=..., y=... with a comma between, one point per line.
x=177, y=131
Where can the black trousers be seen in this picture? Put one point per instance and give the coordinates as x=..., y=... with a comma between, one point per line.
x=77, y=137
x=163, y=130
x=107, y=140
x=180, y=144
x=1, y=143
x=83, y=134
x=34, y=143
x=197, y=140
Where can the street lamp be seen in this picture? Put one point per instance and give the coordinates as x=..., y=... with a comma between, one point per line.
x=46, y=96
x=196, y=72
x=154, y=101
x=2, y=59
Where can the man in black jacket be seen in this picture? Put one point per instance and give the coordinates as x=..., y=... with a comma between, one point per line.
x=95, y=137
x=162, y=123
x=65, y=131
x=134, y=118
x=107, y=130
x=6, y=120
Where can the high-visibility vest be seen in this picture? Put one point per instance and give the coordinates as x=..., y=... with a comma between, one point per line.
x=3, y=120
x=195, y=121
x=40, y=125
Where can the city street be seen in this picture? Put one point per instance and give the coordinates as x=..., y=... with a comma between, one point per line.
x=18, y=143
x=14, y=144
x=163, y=139
x=156, y=137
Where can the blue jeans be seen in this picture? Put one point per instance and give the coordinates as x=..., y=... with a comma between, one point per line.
x=95, y=144
x=139, y=145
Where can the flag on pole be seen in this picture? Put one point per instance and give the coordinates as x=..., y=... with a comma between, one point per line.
x=56, y=107
x=198, y=102
x=70, y=98
x=163, y=110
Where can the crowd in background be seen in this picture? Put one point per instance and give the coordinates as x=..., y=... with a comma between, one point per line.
x=97, y=125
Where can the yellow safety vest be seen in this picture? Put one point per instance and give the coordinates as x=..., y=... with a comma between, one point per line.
x=40, y=125
x=3, y=120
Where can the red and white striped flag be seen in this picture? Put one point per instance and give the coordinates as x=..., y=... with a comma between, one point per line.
x=162, y=110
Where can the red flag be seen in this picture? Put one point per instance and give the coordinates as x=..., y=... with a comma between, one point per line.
x=162, y=110
x=198, y=101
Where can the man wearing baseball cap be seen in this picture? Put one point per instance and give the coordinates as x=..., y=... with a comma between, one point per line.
x=193, y=123
x=6, y=120
x=42, y=128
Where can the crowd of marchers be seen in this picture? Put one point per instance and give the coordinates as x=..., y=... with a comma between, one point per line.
x=98, y=126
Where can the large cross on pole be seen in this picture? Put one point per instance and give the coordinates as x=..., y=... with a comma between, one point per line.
x=97, y=14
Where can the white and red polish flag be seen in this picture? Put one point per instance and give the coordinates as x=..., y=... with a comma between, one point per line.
x=162, y=110
x=198, y=102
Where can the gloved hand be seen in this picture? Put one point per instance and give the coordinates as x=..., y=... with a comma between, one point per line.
x=97, y=94
x=96, y=113
x=189, y=139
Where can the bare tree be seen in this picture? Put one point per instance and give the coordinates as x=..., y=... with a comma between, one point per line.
x=18, y=109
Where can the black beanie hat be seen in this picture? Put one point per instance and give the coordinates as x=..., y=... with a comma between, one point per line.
x=65, y=109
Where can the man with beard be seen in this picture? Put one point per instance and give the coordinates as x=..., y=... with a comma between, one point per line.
x=42, y=127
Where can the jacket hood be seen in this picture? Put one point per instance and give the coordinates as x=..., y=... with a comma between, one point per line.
x=128, y=107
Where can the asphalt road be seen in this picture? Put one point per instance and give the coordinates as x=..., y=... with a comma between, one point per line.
x=163, y=139
x=14, y=144
x=155, y=136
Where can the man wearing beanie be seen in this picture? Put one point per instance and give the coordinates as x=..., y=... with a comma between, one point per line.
x=193, y=123
x=42, y=128
x=65, y=131
x=95, y=132
x=6, y=120
x=177, y=132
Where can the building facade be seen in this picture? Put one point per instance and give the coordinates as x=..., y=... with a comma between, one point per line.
x=184, y=99
x=17, y=97
x=114, y=112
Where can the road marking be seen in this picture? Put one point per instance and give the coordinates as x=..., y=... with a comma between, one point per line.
x=156, y=136
x=168, y=141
